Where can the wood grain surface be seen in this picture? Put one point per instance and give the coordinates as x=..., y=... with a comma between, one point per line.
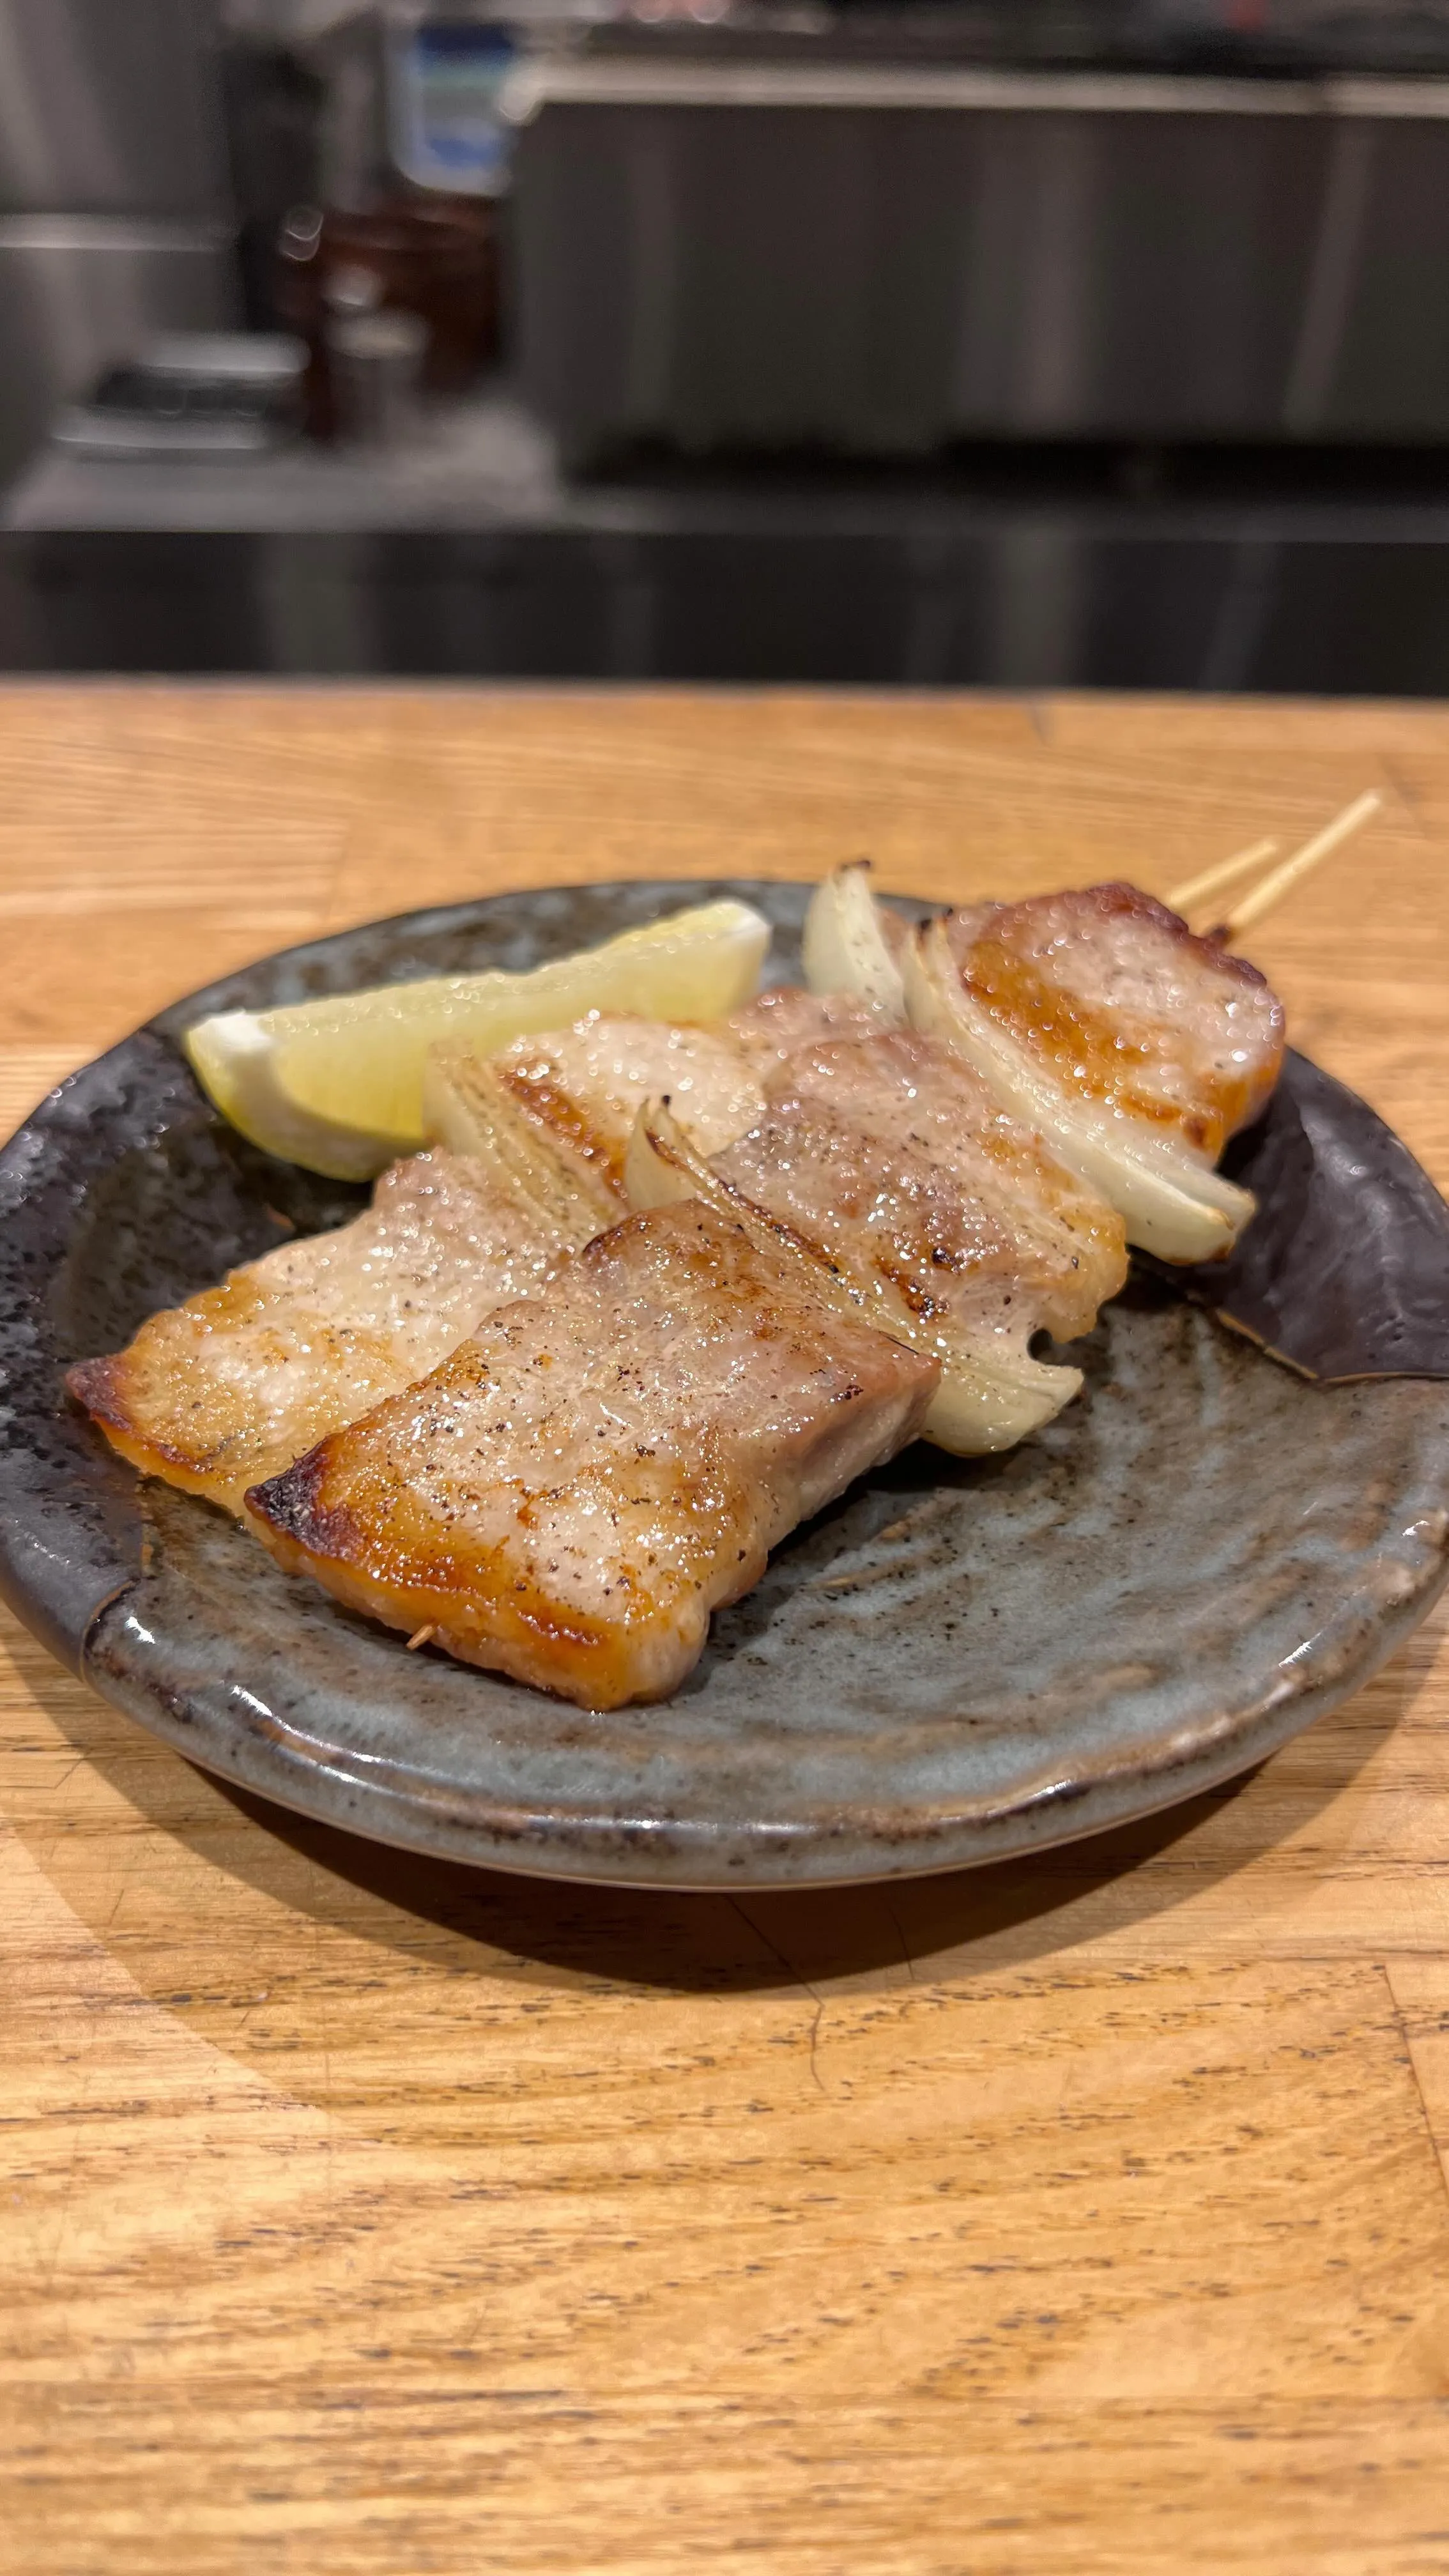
x=358, y=2213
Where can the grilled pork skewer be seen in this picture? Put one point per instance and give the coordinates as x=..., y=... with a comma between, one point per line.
x=221, y=1392
x=603, y=1464
x=891, y=1177
x=958, y=1228
x=224, y=1391
x=1135, y=1048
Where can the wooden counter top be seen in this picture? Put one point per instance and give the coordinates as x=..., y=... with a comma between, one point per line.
x=356, y=2213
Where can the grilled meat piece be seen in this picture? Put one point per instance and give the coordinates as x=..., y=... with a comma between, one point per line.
x=1135, y=1048
x=897, y=1158
x=1119, y=1002
x=777, y=1024
x=602, y=1465
x=584, y=1086
x=890, y=1163
x=220, y=1392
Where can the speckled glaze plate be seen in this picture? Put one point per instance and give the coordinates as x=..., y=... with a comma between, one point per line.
x=956, y=1661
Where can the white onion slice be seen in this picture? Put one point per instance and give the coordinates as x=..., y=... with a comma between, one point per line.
x=468, y=1109
x=844, y=947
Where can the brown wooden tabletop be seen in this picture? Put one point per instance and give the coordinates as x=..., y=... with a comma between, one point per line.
x=356, y=2212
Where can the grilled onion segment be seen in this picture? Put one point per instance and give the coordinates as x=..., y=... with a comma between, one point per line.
x=979, y=1405
x=467, y=1108
x=1172, y=1202
x=847, y=946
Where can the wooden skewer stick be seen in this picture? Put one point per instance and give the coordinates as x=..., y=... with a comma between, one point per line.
x=1223, y=874
x=1274, y=887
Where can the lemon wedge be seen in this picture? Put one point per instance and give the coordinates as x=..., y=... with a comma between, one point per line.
x=337, y=1085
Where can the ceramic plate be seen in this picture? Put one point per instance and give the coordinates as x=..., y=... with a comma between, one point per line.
x=956, y=1661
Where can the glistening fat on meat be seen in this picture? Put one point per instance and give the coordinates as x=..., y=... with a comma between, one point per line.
x=885, y=1169
x=577, y=1091
x=603, y=1465
x=220, y=1392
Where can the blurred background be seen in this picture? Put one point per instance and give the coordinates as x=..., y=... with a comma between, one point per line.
x=930, y=342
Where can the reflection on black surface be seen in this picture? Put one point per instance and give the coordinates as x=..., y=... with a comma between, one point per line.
x=996, y=596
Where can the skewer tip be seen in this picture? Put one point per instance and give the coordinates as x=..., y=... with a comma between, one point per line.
x=1265, y=896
